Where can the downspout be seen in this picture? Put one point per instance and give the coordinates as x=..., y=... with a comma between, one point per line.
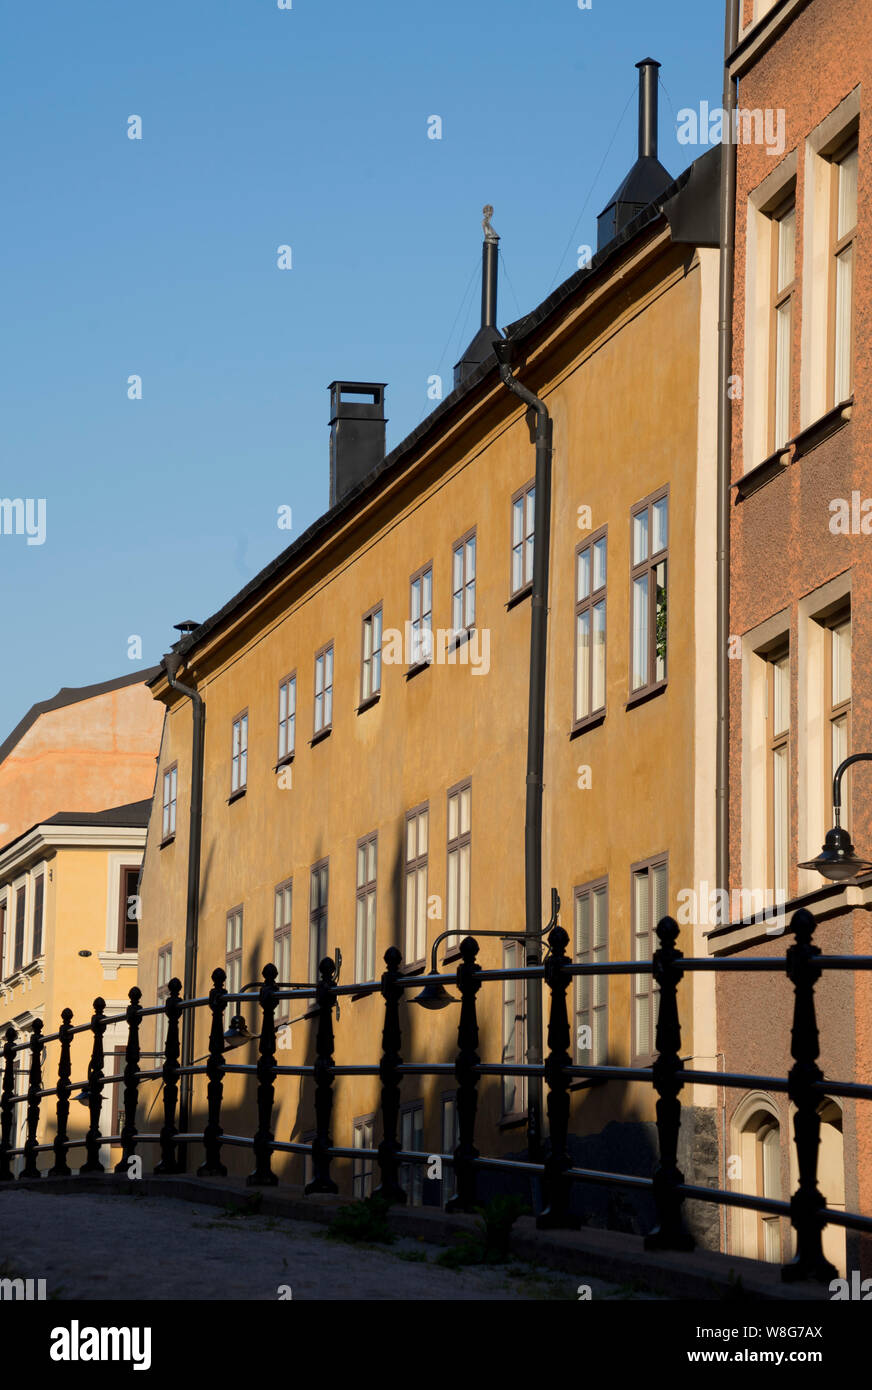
x=724, y=467
x=725, y=424
x=535, y=737
x=172, y=662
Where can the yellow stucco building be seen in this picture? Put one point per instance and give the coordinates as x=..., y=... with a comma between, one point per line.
x=81, y=766
x=358, y=797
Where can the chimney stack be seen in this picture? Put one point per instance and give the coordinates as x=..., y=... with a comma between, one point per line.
x=482, y=344
x=647, y=179
x=357, y=433
x=648, y=70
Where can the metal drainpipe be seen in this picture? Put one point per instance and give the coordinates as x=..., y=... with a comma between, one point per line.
x=725, y=424
x=724, y=469
x=172, y=662
x=535, y=738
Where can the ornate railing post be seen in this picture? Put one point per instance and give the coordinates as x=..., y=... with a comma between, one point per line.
x=34, y=1086
x=263, y=1175
x=321, y=1180
x=92, y=1162
x=60, y=1168
x=467, y=1078
x=131, y=1080
x=670, y=1232
x=7, y=1107
x=173, y=1008
x=807, y=1202
x=389, y=1188
x=212, y=1167
x=556, y=1213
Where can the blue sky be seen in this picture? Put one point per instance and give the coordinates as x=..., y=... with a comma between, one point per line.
x=264, y=127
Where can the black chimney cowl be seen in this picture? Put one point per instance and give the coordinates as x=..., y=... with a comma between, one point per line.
x=482, y=345
x=647, y=179
x=357, y=433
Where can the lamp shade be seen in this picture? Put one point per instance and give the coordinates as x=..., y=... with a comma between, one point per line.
x=837, y=860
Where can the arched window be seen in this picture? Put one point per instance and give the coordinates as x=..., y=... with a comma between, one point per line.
x=757, y=1144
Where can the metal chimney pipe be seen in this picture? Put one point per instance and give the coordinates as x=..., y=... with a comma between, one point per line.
x=648, y=70
x=489, y=267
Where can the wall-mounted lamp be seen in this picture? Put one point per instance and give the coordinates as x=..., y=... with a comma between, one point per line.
x=837, y=860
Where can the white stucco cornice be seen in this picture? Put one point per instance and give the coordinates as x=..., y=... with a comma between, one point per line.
x=43, y=842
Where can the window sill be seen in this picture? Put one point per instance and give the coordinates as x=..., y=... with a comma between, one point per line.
x=649, y=693
x=592, y=722
x=462, y=636
x=828, y=424
x=237, y=795
x=587, y=1083
x=417, y=967
x=512, y=1121
x=284, y=762
x=763, y=473
x=321, y=735
x=168, y=841
x=515, y=599
x=369, y=702
x=417, y=668
x=452, y=955
x=112, y=961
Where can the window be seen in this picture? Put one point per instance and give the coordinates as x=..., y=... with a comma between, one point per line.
x=767, y=1182
x=421, y=616
x=837, y=693
x=459, y=849
x=649, y=543
x=170, y=787
x=233, y=959
x=415, y=873
x=164, y=974
x=239, y=754
x=590, y=628
x=514, y=1029
x=19, y=929
x=783, y=285
x=38, y=914
x=282, y=942
x=308, y=1166
x=317, y=917
x=412, y=1141
x=778, y=771
x=3, y=939
x=463, y=583
x=843, y=233
x=287, y=717
x=450, y=1140
x=324, y=689
x=364, y=935
x=650, y=903
x=591, y=991
x=523, y=513
x=361, y=1181
x=128, y=909
x=370, y=670
x=119, y=1061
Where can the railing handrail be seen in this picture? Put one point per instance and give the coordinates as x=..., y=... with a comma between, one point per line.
x=802, y=963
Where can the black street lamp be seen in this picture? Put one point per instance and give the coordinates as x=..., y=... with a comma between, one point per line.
x=837, y=860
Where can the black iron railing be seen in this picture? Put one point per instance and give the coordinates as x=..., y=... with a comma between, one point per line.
x=805, y=1085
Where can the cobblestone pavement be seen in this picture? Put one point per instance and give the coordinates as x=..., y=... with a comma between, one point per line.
x=140, y=1247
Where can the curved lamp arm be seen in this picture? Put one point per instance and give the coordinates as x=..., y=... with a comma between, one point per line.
x=837, y=781
x=511, y=935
